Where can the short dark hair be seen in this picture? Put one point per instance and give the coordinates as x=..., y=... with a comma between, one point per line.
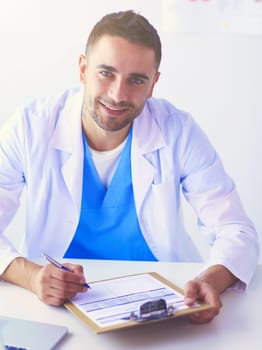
x=130, y=26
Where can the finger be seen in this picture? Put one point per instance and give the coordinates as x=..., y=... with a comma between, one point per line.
x=52, y=299
x=75, y=268
x=54, y=286
x=58, y=294
x=191, y=293
x=210, y=296
x=60, y=277
x=195, y=290
x=203, y=316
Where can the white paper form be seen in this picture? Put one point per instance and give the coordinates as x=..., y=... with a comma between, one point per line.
x=110, y=302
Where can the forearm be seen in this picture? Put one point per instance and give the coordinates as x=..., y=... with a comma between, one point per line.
x=219, y=277
x=21, y=272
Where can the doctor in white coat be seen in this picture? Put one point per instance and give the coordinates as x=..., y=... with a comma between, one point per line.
x=42, y=149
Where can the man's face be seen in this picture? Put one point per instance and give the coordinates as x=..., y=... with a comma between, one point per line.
x=118, y=77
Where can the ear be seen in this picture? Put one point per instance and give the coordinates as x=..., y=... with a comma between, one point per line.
x=156, y=77
x=82, y=68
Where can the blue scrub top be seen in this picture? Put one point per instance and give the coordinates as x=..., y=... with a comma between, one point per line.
x=108, y=227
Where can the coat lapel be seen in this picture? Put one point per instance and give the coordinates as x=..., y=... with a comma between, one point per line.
x=147, y=140
x=67, y=142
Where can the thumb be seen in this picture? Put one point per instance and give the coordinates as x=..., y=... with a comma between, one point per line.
x=191, y=293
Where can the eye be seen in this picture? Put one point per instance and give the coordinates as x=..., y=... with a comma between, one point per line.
x=105, y=73
x=136, y=81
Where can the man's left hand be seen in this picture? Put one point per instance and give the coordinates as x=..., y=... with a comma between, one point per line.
x=200, y=290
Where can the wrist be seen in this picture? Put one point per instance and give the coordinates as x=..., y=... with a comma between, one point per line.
x=218, y=276
x=21, y=272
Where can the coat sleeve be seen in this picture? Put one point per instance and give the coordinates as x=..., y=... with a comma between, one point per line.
x=221, y=216
x=11, y=182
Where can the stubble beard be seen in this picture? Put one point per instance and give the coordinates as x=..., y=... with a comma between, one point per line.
x=111, y=123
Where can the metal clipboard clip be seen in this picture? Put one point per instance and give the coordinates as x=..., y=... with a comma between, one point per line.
x=153, y=310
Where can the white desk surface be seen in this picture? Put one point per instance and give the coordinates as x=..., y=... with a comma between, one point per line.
x=238, y=326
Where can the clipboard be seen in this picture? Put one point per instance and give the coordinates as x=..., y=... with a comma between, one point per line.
x=130, y=301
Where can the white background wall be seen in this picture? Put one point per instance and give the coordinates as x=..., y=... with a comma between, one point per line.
x=216, y=77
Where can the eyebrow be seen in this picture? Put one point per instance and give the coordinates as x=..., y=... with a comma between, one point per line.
x=114, y=70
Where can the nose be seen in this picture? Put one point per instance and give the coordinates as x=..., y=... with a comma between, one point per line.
x=117, y=91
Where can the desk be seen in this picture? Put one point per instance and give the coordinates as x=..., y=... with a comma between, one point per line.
x=238, y=326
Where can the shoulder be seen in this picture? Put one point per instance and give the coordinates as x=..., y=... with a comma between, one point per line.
x=177, y=127
x=168, y=117
x=164, y=111
x=44, y=107
x=41, y=111
x=37, y=120
x=49, y=106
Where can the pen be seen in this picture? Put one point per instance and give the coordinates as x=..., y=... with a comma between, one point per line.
x=60, y=266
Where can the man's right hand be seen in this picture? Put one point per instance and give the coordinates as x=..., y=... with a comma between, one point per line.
x=51, y=284
x=54, y=286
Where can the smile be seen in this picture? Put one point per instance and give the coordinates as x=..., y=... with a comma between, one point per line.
x=114, y=108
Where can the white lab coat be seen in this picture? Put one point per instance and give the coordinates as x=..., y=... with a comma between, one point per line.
x=41, y=146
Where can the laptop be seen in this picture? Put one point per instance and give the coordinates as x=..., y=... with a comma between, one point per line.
x=29, y=335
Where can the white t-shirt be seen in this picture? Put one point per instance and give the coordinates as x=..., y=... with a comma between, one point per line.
x=106, y=162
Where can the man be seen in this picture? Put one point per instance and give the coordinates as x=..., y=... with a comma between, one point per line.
x=103, y=169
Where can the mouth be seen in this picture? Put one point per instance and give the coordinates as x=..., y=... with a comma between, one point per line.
x=113, y=109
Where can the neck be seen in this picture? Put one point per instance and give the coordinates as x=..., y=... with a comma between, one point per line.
x=103, y=140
